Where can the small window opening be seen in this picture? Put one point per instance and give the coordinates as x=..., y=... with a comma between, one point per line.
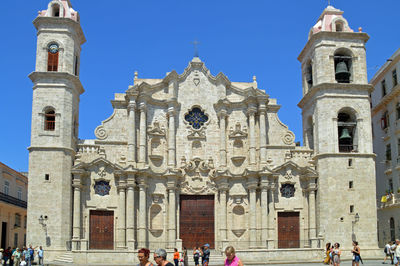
x=392, y=229
x=346, y=132
x=385, y=120
x=398, y=147
x=343, y=64
x=309, y=76
x=56, y=10
x=76, y=62
x=383, y=85
x=394, y=77
x=339, y=26
x=50, y=121
x=390, y=185
x=398, y=111
x=350, y=184
x=47, y=177
x=350, y=163
x=388, y=153
x=351, y=208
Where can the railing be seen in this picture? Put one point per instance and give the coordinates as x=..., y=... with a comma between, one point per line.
x=347, y=148
x=391, y=199
x=50, y=125
x=11, y=200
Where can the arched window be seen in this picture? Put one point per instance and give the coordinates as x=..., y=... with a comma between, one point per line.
x=310, y=132
x=339, y=26
x=50, y=120
x=392, y=230
x=52, y=60
x=309, y=75
x=347, y=132
x=55, y=10
x=343, y=67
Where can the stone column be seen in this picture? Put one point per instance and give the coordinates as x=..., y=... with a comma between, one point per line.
x=142, y=214
x=335, y=138
x=121, y=230
x=222, y=136
x=130, y=212
x=76, y=227
x=252, y=214
x=264, y=214
x=222, y=215
x=171, y=137
x=131, y=131
x=311, y=213
x=251, y=113
x=263, y=134
x=143, y=128
x=271, y=216
x=171, y=215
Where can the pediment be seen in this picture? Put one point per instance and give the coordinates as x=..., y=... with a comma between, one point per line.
x=97, y=162
x=292, y=166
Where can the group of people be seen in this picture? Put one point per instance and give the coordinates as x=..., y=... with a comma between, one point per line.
x=21, y=257
x=160, y=257
x=392, y=251
x=333, y=253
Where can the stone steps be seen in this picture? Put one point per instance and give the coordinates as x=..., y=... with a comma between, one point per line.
x=67, y=257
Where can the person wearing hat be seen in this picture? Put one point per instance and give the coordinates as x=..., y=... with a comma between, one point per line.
x=206, y=254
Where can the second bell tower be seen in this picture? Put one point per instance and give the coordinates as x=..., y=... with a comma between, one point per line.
x=337, y=126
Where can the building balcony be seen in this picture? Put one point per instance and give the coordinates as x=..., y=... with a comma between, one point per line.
x=11, y=200
x=392, y=200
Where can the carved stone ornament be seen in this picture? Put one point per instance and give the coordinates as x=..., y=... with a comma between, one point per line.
x=100, y=132
x=197, y=134
x=102, y=171
x=197, y=176
x=238, y=232
x=288, y=138
x=288, y=175
x=196, y=81
x=156, y=130
x=157, y=197
x=238, y=199
x=238, y=132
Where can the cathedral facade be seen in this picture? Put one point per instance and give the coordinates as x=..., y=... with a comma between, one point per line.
x=194, y=158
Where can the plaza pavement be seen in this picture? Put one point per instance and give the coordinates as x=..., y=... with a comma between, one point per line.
x=343, y=263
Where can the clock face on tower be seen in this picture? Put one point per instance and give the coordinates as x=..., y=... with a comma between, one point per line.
x=53, y=48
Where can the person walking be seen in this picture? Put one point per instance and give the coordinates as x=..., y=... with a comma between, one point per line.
x=7, y=256
x=160, y=257
x=231, y=258
x=388, y=252
x=397, y=252
x=40, y=253
x=327, y=259
x=196, y=255
x=17, y=257
x=185, y=257
x=176, y=257
x=143, y=256
x=205, y=255
x=356, y=254
x=336, y=252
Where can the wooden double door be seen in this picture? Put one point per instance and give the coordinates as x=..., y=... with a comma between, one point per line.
x=288, y=229
x=196, y=220
x=101, y=230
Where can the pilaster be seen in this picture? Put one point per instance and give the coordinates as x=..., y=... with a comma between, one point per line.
x=142, y=240
x=262, y=110
x=171, y=187
x=121, y=229
x=132, y=130
x=222, y=137
x=171, y=135
x=130, y=212
x=252, y=186
x=251, y=111
x=76, y=227
x=142, y=132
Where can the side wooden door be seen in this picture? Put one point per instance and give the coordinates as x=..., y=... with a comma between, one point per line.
x=288, y=230
x=101, y=230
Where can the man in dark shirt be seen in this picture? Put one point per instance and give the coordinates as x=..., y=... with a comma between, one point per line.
x=206, y=255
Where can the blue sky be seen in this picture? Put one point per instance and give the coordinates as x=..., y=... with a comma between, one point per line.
x=238, y=38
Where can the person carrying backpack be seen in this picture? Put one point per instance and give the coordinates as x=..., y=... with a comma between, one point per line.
x=388, y=252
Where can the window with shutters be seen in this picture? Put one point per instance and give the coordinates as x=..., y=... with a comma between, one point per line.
x=50, y=120
x=52, y=58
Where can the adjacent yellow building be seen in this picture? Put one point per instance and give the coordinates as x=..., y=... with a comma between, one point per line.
x=13, y=198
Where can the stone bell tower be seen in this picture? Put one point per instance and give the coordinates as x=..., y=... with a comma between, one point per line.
x=54, y=133
x=337, y=126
